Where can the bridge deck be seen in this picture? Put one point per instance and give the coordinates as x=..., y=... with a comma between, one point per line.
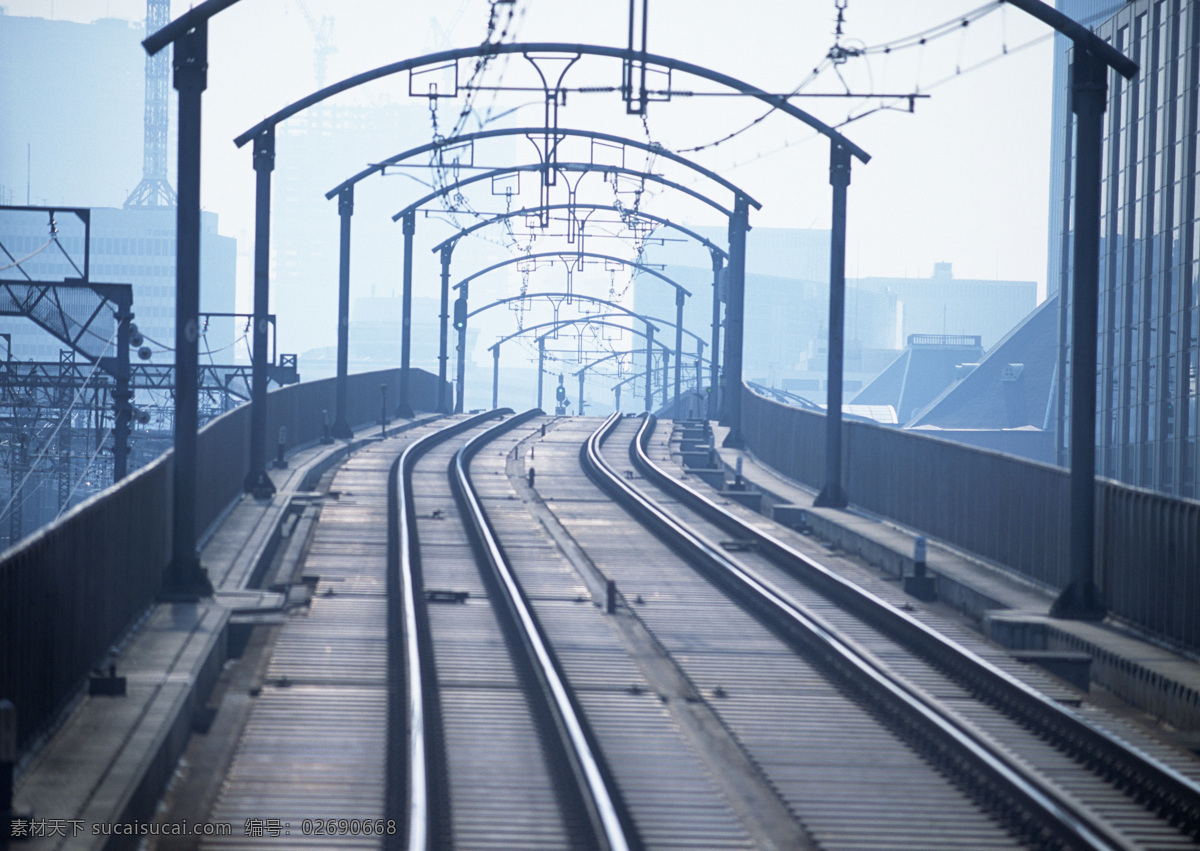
x=314, y=685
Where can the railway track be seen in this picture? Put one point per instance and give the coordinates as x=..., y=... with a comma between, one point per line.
x=602, y=655
x=495, y=753
x=1045, y=775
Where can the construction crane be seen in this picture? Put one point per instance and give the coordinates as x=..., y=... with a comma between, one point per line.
x=325, y=44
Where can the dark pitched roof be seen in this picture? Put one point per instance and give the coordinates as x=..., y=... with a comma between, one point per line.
x=919, y=374
x=1013, y=386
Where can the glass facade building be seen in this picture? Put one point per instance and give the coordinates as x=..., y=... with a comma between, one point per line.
x=1149, y=313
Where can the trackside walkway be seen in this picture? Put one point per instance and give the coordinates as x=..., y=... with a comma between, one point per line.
x=97, y=781
x=1010, y=609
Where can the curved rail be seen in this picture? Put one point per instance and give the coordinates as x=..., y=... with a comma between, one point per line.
x=1054, y=816
x=601, y=802
x=408, y=650
x=1166, y=790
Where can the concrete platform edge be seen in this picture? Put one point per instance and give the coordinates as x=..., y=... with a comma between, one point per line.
x=1139, y=674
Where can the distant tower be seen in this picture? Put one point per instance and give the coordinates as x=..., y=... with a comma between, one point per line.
x=154, y=190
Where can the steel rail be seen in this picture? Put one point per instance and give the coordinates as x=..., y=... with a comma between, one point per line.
x=592, y=779
x=1170, y=792
x=1067, y=823
x=403, y=594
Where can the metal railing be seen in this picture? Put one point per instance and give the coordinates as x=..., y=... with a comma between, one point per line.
x=1007, y=509
x=76, y=587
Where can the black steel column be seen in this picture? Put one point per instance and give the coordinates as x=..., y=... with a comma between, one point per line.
x=666, y=376
x=122, y=394
x=460, y=390
x=341, y=428
x=495, y=376
x=679, y=299
x=257, y=481
x=443, y=404
x=1081, y=598
x=833, y=494
x=541, y=367
x=649, y=367
x=404, y=409
x=185, y=579
x=735, y=311
x=714, y=367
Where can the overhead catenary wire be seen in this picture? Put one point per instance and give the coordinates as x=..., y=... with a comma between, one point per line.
x=46, y=445
x=915, y=40
x=16, y=264
x=87, y=468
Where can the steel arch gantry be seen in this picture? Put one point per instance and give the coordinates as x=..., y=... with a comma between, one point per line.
x=842, y=150
x=700, y=360
x=681, y=293
x=650, y=343
x=345, y=196
x=649, y=320
x=548, y=152
x=716, y=253
x=408, y=216
x=554, y=326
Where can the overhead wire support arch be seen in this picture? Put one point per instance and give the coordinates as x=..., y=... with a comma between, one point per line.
x=567, y=254
x=681, y=293
x=446, y=250
x=581, y=168
x=532, y=51
x=530, y=211
x=548, y=153
x=528, y=48
x=555, y=325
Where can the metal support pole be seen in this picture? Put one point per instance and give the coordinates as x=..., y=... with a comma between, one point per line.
x=666, y=374
x=185, y=579
x=579, y=404
x=257, y=481
x=341, y=428
x=617, y=399
x=714, y=370
x=735, y=309
x=495, y=376
x=460, y=390
x=443, y=404
x=1081, y=599
x=541, y=368
x=649, y=367
x=404, y=408
x=122, y=394
x=833, y=494
x=679, y=299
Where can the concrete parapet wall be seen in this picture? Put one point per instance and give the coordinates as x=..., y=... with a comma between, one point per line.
x=75, y=588
x=1008, y=510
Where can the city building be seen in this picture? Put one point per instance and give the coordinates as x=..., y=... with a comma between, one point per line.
x=787, y=307
x=1090, y=13
x=72, y=95
x=1149, y=313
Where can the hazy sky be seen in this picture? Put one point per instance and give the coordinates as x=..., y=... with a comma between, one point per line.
x=963, y=179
